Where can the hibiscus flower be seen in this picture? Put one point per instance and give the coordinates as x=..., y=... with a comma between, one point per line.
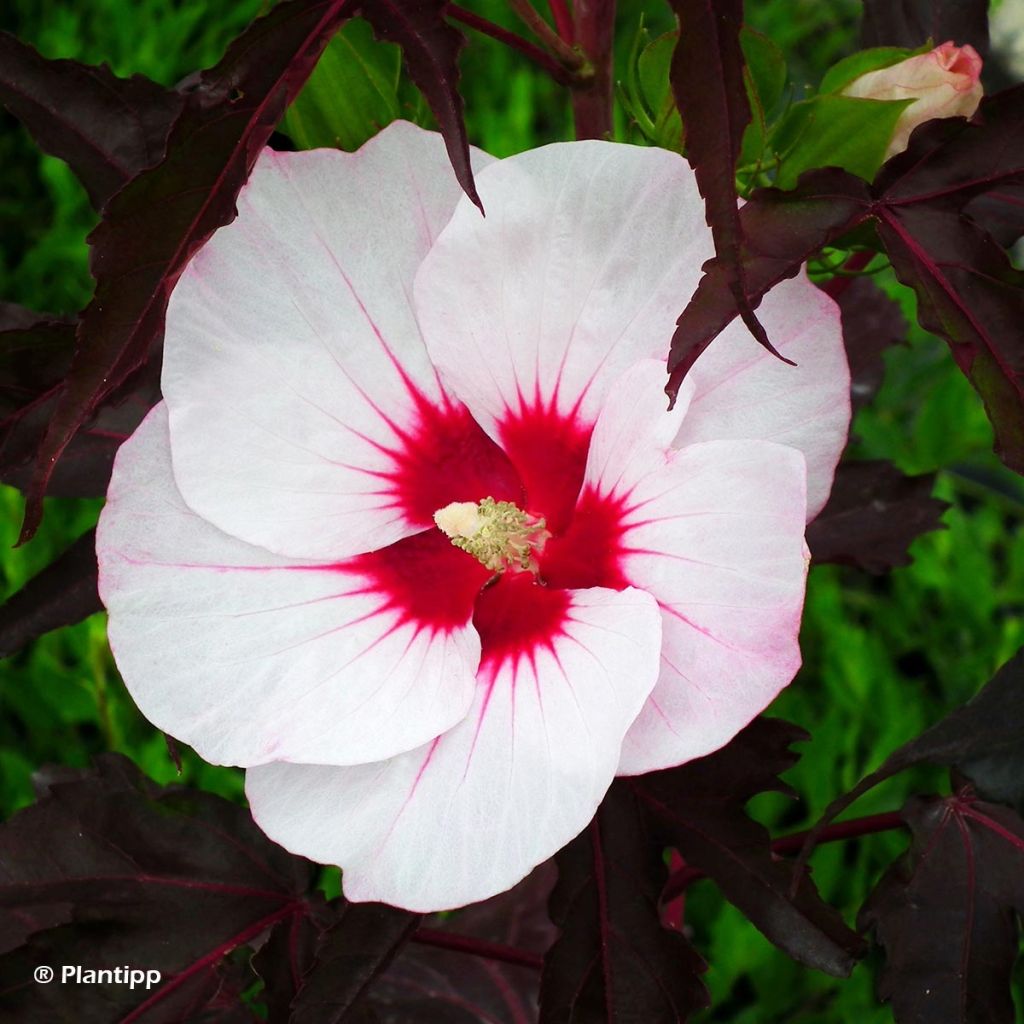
x=413, y=537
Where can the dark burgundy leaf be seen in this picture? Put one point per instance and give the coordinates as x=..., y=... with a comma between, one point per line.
x=782, y=230
x=873, y=515
x=431, y=47
x=710, y=92
x=153, y=225
x=164, y=879
x=698, y=809
x=433, y=979
x=872, y=322
x=62, y=594
x=283, y=960
x=946, y=914
x=1000, y=213
x=350, y=957
x=33, y=362
x=911, y=23
x=984, y=739
x=107, y=129
x=614, y=961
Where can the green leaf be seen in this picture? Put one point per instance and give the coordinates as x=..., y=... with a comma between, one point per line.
x=656, y=93
x=765, y=79
x=835, y=131
x=842, y=73
x=352, y=94
x=766, y=65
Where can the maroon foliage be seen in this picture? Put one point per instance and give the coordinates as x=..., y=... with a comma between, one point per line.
x=968, y=291
x=433, y=979
x=65, y=592
x=708, y=85
x=872, y=322
x=118, y=871
x=911, y=23
x=614, y=961
x=431, y=47
x=946, y=913
x=982, y=740
x=350, y=957
x=107, y=129
x=154, y=224
x=873, y=515
x=781, y=231
x=698, y=809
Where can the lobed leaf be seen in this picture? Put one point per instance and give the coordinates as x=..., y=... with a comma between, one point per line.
x=111, y=869
x=64, y=593
x=873, y=515
x=946, y=914
x=613, y=960
x=782, y=230
x=968, y=291
x=106, y=129
x=154, y=224
x=350, y=957
x=708, y=82
x=983, y=739
x=698, y=809
x=431, y=46
x=434, y=979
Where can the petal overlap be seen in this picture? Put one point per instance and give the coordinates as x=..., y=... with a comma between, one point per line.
x=579, y=269
x=252, y=657
x=471, y=813
x=714, y=532
x=294, y=370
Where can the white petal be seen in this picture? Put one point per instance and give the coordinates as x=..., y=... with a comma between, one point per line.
x=587, y=255
x=715, y=533
x=251, y=657
x=743, y=391
x=294, y=371
x=472, y=813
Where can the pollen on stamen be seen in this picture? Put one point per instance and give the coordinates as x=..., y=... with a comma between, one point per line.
x=498, y=534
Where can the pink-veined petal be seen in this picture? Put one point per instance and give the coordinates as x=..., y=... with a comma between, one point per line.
x=302, y=402
x=743, y=391
x=715, y=533
x=251, y=657
x=586, y=256
x=470, y=814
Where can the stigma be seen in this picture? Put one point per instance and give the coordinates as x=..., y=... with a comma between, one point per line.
x=498, y=534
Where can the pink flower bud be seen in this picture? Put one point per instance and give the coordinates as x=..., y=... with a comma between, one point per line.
x=942, y=83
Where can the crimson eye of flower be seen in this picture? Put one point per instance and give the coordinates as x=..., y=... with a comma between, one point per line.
x=412, y=537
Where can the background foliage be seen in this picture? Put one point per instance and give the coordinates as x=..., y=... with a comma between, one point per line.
x=884, y=657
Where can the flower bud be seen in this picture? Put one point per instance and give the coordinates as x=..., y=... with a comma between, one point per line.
x=942, y=83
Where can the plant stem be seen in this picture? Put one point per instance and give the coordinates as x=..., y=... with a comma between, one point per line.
x=477, y=947
x=563, y=20
x=592, y=101
x=543, y=59
x=570, y=58
x=838, y=285
x=851, y=829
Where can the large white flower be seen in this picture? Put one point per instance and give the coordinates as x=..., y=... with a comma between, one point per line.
x=361, y=352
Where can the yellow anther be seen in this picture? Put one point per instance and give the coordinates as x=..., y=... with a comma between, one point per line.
x=497, y=534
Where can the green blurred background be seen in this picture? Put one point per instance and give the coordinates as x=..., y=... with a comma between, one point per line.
x=883, y=657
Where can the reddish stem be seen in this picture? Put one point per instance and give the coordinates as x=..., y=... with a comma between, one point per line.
x=851, y=829
x=540, y=57
x=592, y=101
x=838, y=285
x=477, y=947
x=563, y=20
